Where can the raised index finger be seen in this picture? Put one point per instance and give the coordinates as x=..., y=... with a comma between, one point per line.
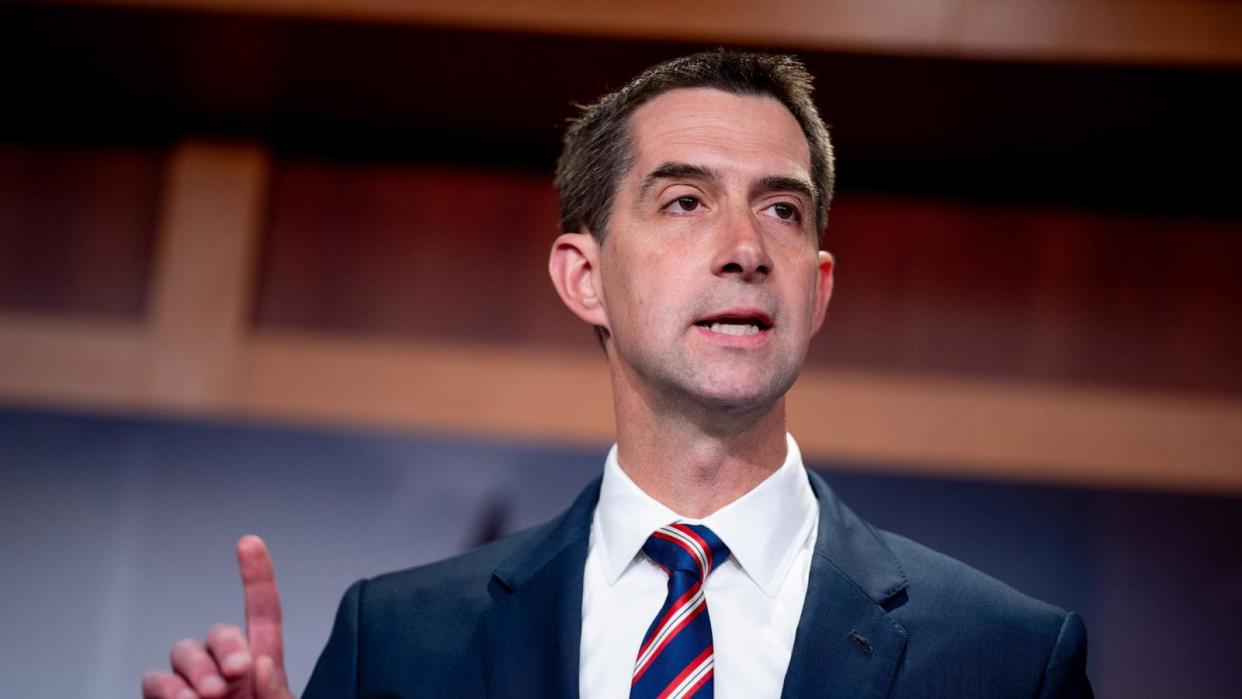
x=262, y=601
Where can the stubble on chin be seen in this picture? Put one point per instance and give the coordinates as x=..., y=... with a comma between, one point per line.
x=725, y=389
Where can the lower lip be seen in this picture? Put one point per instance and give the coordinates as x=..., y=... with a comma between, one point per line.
x=752, y=340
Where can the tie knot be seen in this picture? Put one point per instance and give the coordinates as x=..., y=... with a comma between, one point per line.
x=691, y=548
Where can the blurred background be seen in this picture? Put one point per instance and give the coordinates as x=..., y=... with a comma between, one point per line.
x=278, y=266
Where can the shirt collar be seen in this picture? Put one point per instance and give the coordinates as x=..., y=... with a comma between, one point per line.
x=764, y=529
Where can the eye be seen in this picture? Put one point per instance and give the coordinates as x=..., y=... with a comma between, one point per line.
x=684, y=204
x=785, y=212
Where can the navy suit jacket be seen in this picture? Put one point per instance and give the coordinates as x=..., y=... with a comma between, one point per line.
x=883, y=617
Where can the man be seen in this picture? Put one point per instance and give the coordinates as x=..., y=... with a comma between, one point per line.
x=694, y=199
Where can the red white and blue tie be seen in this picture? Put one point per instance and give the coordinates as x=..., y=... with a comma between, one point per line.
x=676, y=658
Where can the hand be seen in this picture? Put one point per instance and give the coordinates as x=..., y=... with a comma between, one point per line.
x=229, y=665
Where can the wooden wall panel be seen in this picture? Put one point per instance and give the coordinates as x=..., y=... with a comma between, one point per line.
x=203, y=283
x=1035, y=291
x=411, y=250
x=1197, y=31
x=77, y=225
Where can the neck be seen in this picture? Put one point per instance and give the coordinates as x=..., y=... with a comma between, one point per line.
x=695, y=461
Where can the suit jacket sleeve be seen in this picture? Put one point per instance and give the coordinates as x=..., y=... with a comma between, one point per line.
x=336, y=673
x=1065, y=676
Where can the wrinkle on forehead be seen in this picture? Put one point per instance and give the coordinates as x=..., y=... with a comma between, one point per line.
x=690, y=125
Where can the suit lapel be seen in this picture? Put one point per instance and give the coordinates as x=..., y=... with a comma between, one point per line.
x=846, y=644
x=530, y=637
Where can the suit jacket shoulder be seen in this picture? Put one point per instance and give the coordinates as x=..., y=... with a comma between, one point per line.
x=966, y=625
x=920, y=623
x=415, y=632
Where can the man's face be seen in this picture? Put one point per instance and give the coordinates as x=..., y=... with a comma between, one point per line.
x=710, y=277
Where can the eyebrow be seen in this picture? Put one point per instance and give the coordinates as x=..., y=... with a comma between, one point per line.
x=781, y=183
x=686, y=171
x=676, y=171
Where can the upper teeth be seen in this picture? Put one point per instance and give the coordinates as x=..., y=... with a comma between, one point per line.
x=734, y=328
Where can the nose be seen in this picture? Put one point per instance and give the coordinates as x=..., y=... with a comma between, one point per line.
x=741, y=251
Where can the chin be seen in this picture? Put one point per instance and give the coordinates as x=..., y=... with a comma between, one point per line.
x=742, y=396
x=736, y=387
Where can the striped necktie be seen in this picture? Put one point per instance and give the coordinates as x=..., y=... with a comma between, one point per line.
x=676, y=658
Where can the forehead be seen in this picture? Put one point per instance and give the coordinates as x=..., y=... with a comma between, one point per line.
x=713, y=128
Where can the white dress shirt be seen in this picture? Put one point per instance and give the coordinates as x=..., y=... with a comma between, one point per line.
x=755, y=598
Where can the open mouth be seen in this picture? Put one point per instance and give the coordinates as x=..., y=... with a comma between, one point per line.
x=738, y=325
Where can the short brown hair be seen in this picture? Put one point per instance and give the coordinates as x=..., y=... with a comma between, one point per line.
x=598, y=151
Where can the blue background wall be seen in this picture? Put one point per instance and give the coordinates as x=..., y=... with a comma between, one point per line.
x=118, y=540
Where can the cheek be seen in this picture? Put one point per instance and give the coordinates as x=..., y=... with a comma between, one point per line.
x=802, y=293
x=626, y=291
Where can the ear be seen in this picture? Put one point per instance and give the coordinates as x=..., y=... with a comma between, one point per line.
x=823, y=289
x=574, y=266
